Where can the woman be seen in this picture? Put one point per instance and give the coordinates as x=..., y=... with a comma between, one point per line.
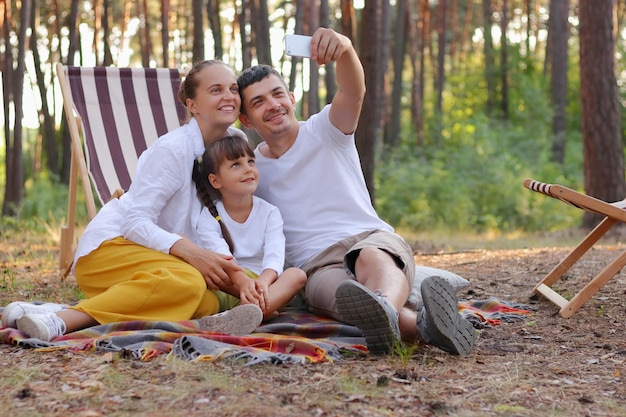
x=139, y=258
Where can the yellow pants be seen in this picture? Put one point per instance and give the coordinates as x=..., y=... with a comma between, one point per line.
x=125, y=281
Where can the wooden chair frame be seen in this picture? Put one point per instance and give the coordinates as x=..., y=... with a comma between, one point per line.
x=141, y=104
x=613, y=213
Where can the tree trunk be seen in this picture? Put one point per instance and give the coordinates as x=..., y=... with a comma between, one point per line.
x=299, y=29
x=97, y=22
x=246, y=48
x=73, y=47
x=368, y=132
x=14, y=189
x=603, y=149
x=330, y=80
x=490, y=65
x=412, y=23
x=261, y=29
x=165, y=32
x=124, y=30
x=7, y=98
x=213, y=11
x=313, y=98
x=48, y=132
x=423, y=43
x=392, y=128
x=108, y=57
x=465, y=33
x=454, y=31
x=529, y=31
x=348, y=19
x=198, y=31
x=73, y=44
x=385, y=57
x=442, y=12
x=504, y=61
x=558, y=27
x=146, y=50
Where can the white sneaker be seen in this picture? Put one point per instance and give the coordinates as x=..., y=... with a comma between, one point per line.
x=42, y=326
x=240, y=320
x=17, y=309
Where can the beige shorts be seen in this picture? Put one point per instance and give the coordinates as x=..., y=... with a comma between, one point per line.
x=336, y=264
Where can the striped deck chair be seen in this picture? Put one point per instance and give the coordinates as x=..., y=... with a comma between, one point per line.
x=115, y=114
x=614, y=213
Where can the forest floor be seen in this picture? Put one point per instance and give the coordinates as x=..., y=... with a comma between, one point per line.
x=543, y=366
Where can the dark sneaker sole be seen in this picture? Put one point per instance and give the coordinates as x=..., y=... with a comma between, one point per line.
x=360, y=307
x=447, y=329
x=240, y=320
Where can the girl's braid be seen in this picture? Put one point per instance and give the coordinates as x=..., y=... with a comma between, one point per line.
x=204, y=189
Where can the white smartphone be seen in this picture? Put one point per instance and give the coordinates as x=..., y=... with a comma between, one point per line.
x=298, y=45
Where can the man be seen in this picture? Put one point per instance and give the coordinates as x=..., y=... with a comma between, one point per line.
x=359, y=271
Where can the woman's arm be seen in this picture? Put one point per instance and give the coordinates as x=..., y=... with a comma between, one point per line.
x=161, y=173
x=214, y=267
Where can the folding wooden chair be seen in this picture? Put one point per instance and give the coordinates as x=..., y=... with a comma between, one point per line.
x=613, y=213
x=115, y=113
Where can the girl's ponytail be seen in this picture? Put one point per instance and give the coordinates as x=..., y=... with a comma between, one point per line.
x=200, y=176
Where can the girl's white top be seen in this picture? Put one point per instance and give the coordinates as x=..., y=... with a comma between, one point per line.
x=259, y=241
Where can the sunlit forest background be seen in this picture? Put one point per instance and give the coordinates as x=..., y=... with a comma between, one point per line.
x=466, y=98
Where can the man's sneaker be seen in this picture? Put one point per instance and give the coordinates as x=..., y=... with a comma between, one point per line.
x=17, y=309
x=370, y=312
x=42, y=326
x=239, y=320
x=439, y=322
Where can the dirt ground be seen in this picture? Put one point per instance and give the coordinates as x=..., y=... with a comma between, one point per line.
x=543, y=366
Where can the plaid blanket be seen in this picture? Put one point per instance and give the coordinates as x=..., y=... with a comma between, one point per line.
x=296, y=336
x=492, y=312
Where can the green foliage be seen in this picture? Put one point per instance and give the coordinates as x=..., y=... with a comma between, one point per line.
x=46, y=200
x=473, y=182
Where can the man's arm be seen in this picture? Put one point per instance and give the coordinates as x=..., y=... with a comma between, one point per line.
x=329, y=46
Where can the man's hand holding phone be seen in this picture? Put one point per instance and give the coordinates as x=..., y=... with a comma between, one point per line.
x=325, y=46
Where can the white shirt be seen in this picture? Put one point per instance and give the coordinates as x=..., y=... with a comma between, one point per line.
x=259, y=241
x=161, y=203
x=319, y=188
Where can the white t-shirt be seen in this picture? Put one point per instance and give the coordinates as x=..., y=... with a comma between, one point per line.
x=319, y=188
x=161, y=203
x=259, y=241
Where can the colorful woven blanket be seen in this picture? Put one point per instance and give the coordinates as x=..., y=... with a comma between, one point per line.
x=296, y=336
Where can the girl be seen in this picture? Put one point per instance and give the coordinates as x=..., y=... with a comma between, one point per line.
x=236, y=222
x=140, y=258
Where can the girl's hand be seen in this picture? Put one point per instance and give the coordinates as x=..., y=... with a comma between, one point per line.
x=249, y=294
x=262, y=290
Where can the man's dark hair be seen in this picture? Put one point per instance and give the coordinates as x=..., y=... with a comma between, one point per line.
x=253, y=75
